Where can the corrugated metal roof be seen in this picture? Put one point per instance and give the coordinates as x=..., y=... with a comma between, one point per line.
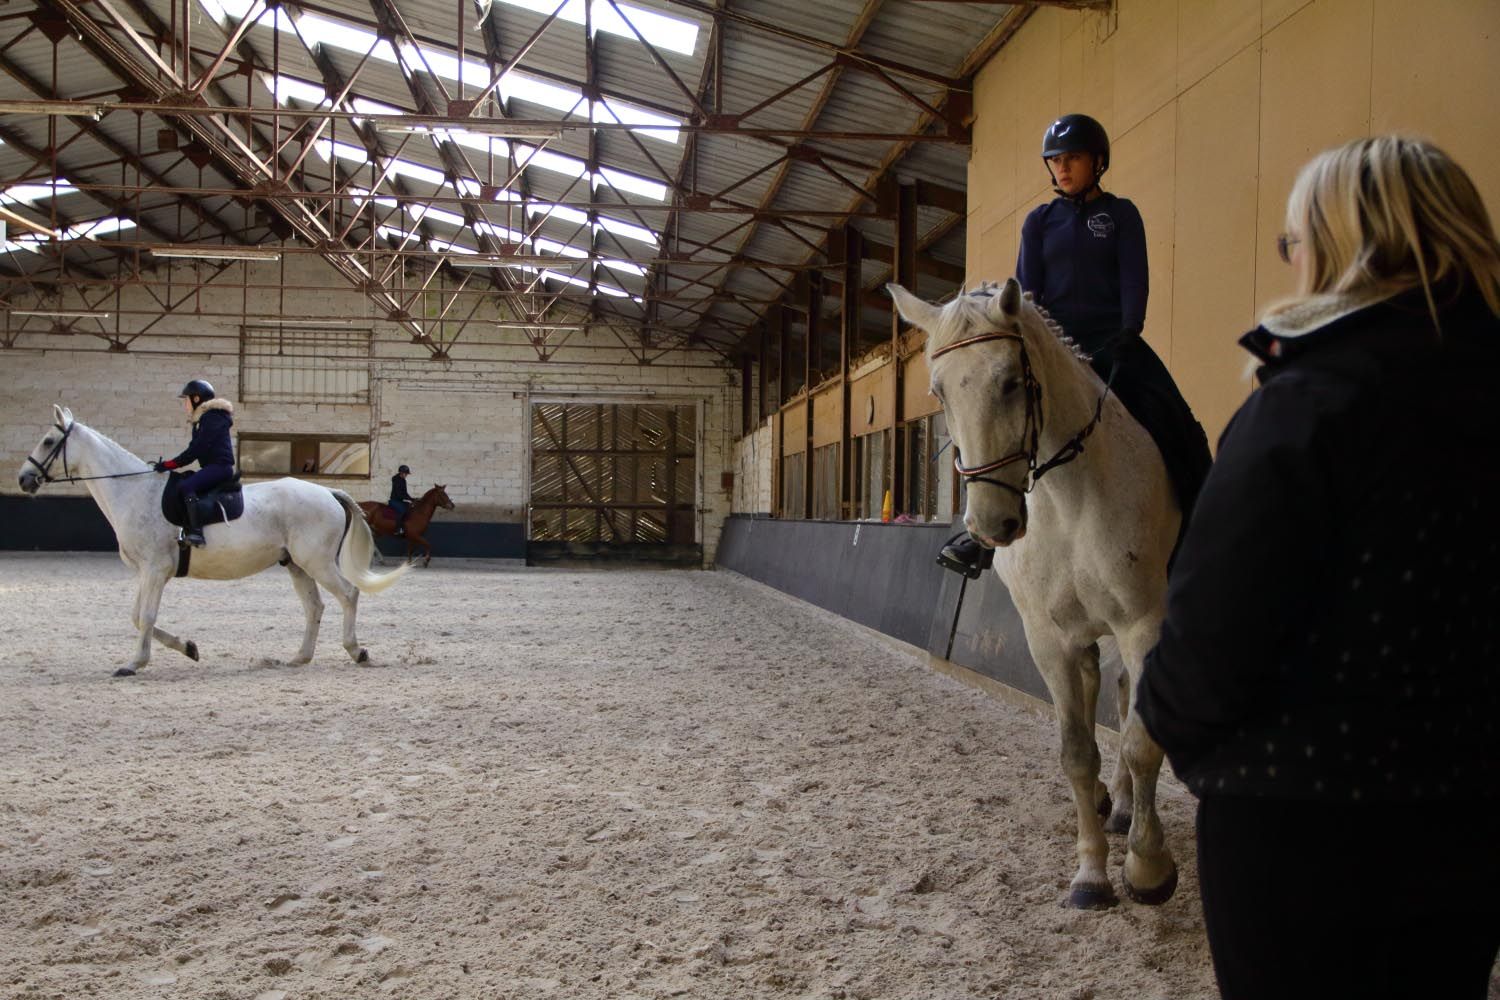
x=859, y=55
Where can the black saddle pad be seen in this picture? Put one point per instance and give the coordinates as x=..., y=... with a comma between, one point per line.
x=224, y=502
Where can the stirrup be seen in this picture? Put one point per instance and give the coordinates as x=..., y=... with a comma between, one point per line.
x=973, y=570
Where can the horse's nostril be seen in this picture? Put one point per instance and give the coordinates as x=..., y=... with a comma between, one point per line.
x=1009, y=527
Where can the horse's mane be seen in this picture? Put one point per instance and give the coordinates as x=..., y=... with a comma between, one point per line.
x=109, y=442
x=969, y=309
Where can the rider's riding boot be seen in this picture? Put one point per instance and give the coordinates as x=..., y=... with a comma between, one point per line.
x=193, y=535
x=962, y=554
x=400, y=531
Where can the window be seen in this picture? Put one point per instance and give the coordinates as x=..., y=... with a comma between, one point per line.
x=870, y=476
x=327, y=456
x=928, y=493
x=826, y=483
x=792, y=495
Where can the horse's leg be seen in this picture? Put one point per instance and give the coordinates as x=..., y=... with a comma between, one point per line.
x=1072, y=676
x=149, y=585
x=312, y=607
x=1121, y=789
x=1150, y=872
x=186, y=647
x=327, y=574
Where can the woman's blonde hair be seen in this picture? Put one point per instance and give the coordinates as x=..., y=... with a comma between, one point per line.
x=1393, y=213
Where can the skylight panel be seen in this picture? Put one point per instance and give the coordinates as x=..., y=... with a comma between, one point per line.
x=625, y=266
x=500, y=233
x=632, y=183
x=631, y=231
x=96, y=228
x=405, y=168
x=660, y=30
x=30, y=194
x=561, y=249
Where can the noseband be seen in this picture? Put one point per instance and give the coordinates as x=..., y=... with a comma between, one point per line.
x=45, y=465
x=1031, y=432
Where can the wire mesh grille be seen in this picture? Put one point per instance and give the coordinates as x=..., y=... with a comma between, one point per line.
x=313, y=365
x=613, y=472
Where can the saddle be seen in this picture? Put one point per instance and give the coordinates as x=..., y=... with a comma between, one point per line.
x=223, y=503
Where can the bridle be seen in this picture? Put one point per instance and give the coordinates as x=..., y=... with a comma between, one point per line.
x=1031, y=432
x=44, y=467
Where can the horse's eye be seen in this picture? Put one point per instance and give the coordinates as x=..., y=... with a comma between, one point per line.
x=1010, y=385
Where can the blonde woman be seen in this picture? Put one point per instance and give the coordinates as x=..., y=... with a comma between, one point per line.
x=1327, y=681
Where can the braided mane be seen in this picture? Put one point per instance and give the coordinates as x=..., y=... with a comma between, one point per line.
x=968, y=311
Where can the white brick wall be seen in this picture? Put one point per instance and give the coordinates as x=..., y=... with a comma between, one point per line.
x=752, y=480
x=460, y=422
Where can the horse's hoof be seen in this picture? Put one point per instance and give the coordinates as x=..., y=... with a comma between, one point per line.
x=363, y=657
x=1156, y=895
x=1117, y=823
x=191, y=651
x=1106, y=804
x=1092, y=897
x=125, y=672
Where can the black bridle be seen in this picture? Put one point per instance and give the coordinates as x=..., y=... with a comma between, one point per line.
x=44, y=467
x=1031, y=431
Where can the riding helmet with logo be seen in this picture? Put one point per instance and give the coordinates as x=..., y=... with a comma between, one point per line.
x=1077, y=134
x=199, y=387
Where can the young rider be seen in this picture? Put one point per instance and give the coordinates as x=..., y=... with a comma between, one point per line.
x=1083, y=259
x=211, y=447
x=400, y=500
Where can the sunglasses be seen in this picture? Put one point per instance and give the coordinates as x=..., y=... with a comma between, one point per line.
x=1284, y=244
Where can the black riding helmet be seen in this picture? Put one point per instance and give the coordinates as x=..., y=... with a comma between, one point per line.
x=1077, y=134
x=199, y=387
x=404, y=469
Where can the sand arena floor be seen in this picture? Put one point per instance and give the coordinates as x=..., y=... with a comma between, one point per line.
x=550, y=783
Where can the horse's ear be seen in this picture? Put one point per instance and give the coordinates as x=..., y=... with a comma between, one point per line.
x=62, y=415
x=441, y=486
x=1010, y=298
x=921, y=314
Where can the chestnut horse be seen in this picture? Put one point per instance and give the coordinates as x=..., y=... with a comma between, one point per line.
x=382, y=519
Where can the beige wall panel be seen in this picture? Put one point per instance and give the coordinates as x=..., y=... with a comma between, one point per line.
x=871, y=402
x=995, y=258
x=794, y=437
x=1214, y=257
x=992, y=160
x=1273, y=12
x=1210, y=33
x=828, y=416
x=1145, y=59
x=917, y=399
x=1315, y=93
x=1439, y=74
x=1143, y=169
x=1037, y=100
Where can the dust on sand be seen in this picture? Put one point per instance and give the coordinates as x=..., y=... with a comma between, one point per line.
x=550, y=783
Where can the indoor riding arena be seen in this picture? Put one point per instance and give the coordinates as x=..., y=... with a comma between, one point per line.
x=660, y=691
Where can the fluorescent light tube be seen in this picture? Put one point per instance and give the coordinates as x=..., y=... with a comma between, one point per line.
x=212, y=251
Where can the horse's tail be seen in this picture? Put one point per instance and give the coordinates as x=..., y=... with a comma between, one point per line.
x=356, y=548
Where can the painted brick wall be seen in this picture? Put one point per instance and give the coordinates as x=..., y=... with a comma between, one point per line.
x=460, y=422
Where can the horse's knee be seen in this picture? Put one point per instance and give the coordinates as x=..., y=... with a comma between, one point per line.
x=1080, y=757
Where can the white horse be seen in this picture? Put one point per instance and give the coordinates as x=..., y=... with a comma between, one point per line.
x=1098, y=524
x=318, y=534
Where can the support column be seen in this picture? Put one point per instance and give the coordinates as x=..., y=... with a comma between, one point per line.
x=904, y=268
x=849, y=308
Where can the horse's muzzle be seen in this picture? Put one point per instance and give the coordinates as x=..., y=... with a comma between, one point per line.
x=30, y=482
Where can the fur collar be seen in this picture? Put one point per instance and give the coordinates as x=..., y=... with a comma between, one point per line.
x=211, y=404
x=1317, y=311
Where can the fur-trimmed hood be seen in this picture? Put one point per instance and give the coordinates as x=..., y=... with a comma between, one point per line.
x=211, y=404
x=1317, y=311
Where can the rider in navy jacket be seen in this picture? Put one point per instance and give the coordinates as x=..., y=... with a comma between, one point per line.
x=211, y=447
x=400, y=500
x=1083, y=259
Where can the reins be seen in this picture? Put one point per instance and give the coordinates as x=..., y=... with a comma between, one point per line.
x=1031, y=432
x=45, y=465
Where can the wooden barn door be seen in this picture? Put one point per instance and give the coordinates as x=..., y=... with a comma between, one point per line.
x=614, y=479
